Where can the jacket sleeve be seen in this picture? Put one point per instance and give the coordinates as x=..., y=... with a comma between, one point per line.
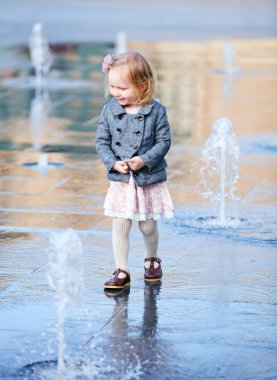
x=162, y=141
x=103, y=141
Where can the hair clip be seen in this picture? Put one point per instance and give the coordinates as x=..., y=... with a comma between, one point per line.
x=108, y=61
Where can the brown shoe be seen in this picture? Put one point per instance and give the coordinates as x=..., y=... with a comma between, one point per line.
x=152, y=273
x=118, y=283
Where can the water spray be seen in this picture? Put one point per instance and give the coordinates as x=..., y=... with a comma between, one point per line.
x=219, y=173
x=65, y=277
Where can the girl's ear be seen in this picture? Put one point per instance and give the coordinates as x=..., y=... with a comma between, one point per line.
x=144, y=86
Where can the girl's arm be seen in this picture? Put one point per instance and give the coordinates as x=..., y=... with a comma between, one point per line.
x=162, y=141
x=103, y=142
x=103, y=147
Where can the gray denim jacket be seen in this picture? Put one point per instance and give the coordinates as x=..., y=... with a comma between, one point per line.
x=121, y=136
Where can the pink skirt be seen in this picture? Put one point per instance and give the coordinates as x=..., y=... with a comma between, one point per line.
x=129, y=201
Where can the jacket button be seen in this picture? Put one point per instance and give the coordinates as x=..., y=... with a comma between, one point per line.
x=140, y=117
x=121, y=116
x=118, y=130
x=138, y=133
x=118, y=158
x=117, y=143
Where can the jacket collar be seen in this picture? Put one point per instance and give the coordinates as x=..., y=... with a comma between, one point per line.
x=117, y=109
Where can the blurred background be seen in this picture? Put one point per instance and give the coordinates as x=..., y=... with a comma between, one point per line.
x=213, y=58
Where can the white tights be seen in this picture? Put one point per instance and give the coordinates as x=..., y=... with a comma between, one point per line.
x=120, y=239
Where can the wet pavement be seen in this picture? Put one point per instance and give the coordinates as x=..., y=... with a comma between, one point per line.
x=214, y=314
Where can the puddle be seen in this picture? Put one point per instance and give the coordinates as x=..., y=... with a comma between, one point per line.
x=237, y=230
x=35, y=165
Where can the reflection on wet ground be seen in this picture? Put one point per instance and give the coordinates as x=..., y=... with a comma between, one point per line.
x=214, y=315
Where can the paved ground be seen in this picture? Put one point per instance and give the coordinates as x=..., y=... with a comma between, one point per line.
x=214, y=315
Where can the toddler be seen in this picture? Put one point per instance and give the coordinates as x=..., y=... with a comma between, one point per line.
x=133, y=137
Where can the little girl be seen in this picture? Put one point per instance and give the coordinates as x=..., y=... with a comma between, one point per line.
x=133, y=137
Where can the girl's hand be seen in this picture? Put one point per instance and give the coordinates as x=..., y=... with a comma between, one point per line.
x=121, y=167
x=135, y=163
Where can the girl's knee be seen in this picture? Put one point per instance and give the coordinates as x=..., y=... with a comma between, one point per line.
x=148, y=227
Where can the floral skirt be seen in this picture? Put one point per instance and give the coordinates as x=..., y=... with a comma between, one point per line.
x=129, y=201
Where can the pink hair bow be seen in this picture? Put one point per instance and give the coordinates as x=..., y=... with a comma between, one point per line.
x=108, y=61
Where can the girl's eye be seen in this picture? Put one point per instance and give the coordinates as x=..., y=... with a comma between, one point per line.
x=118, y=88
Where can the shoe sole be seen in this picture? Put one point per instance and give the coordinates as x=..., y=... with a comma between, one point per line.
x=117, y=287
x=153, y=279
x=116, y=292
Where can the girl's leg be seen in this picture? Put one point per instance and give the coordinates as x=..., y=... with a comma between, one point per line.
x=149, y=229
x=120, y=240
x=152, y=264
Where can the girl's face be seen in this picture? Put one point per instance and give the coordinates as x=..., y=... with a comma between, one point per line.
x=121, y=88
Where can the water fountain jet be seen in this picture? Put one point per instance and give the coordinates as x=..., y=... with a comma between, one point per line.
x=121, y=43
x=65, y=277
x=41, y=55
x=41, y=60
x=231, y=60
x=220, y=156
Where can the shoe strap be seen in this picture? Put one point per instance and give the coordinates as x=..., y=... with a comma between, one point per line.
x=152, y=259
x=118, y=270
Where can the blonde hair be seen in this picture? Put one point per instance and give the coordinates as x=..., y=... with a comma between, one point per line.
x=140, y=74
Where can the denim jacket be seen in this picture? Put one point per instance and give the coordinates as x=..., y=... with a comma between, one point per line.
x=121, y=136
